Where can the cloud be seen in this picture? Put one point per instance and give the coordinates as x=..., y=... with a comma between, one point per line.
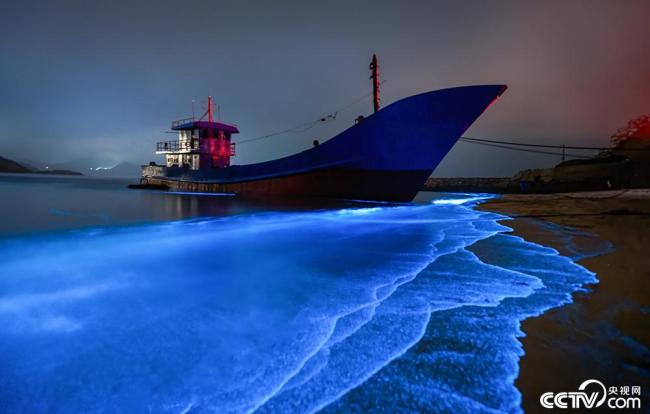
x=108, y=77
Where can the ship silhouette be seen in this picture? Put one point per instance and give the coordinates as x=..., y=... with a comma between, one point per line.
x=386, y=156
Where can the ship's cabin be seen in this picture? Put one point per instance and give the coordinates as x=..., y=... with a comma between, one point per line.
x=200, y=145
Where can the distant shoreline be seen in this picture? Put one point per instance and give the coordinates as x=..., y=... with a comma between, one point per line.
x=57, y=172
x=13, y=167
x=598, y=335
x=46, y=172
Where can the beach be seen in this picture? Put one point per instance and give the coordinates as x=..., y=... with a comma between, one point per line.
x=605, y=333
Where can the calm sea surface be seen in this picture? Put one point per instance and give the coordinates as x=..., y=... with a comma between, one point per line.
x=117, y=300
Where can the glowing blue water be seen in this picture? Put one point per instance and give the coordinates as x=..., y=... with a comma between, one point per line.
x=367, y=309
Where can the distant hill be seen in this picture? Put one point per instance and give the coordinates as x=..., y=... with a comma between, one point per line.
x=85, y=164
x=30, y=164
x=57, y=172
x=99, y=166
x=92, y=166
x=10, y=166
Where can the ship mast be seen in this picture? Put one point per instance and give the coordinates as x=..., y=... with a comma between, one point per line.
x=374, y=67
x=209, y=109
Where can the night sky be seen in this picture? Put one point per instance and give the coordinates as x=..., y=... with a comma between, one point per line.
x=104, y=79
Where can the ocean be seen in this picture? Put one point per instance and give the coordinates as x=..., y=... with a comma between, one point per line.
x=117, y=300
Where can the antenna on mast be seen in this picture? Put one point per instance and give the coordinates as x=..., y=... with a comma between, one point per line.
x=374, y=67
x=209, y=109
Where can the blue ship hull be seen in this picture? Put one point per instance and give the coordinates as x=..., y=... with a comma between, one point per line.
x=386, y=157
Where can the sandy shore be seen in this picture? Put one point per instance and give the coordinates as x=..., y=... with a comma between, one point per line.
x=605, y=333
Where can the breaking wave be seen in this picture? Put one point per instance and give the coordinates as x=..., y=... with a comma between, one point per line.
x=372, y=309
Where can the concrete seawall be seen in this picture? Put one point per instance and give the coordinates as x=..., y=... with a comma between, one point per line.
x=597, y=174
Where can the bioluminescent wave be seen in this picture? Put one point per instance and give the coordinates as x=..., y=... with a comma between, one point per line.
x=371, y=309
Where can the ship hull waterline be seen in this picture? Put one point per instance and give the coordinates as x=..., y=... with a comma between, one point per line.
x=349, y=184
x=386, y=157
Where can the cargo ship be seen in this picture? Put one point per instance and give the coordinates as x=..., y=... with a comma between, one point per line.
x=386, y=156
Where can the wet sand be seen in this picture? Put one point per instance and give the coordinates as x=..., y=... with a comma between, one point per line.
x=605, y=333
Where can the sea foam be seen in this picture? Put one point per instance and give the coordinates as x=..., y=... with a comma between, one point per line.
x=372, y=309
